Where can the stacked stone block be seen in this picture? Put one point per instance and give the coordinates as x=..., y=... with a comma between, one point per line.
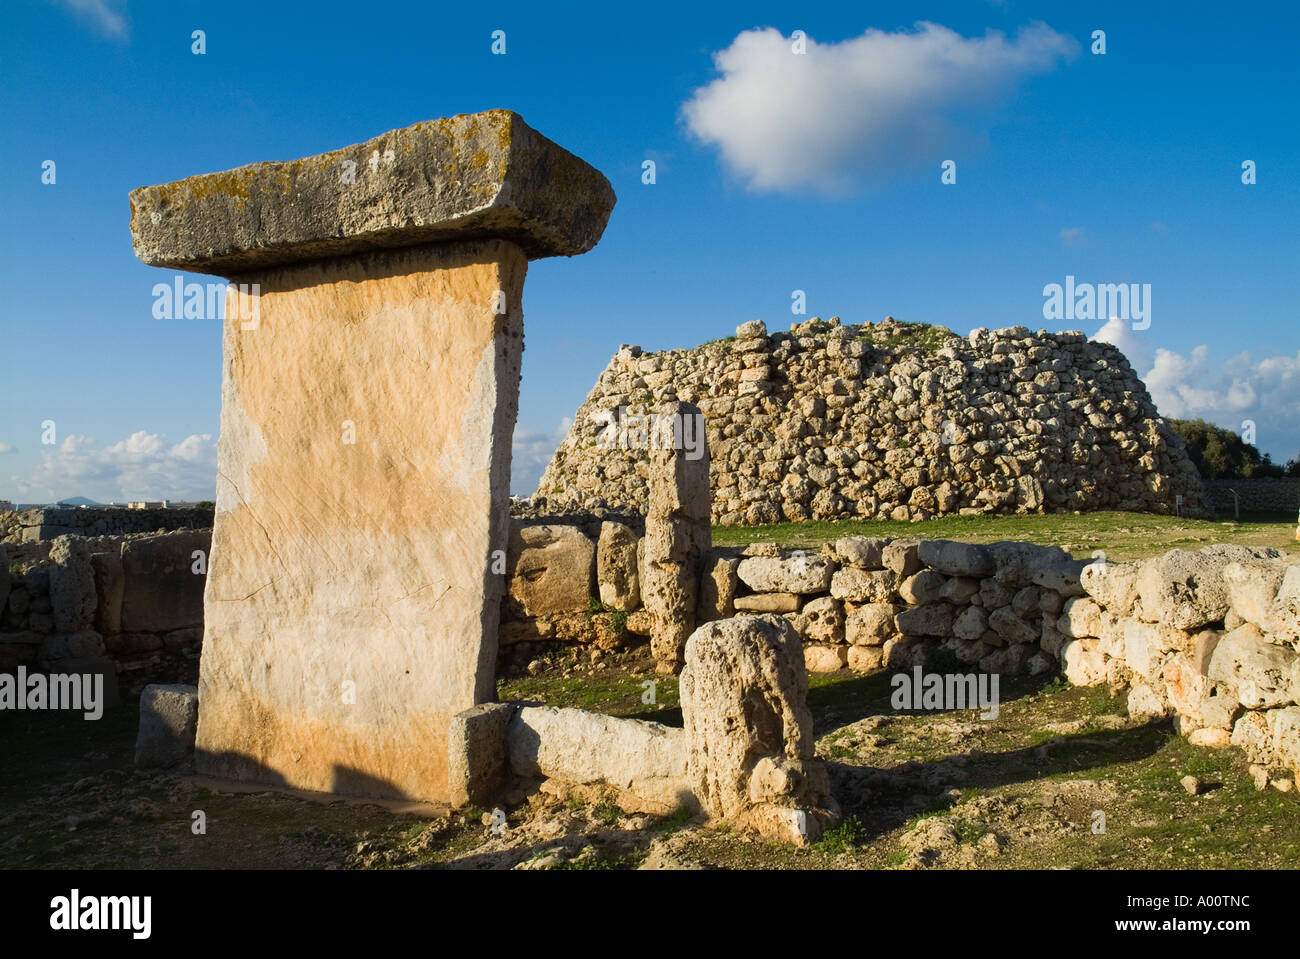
x=830, y=421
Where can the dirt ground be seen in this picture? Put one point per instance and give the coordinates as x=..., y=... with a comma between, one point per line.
x=1060, y=779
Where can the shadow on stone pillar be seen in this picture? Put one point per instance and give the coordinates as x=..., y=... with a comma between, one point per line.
x=371, y=359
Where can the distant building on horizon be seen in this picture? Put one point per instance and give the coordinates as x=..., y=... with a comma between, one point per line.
x=148, y=504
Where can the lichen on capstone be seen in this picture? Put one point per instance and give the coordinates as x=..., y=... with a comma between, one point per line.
x=472, y=176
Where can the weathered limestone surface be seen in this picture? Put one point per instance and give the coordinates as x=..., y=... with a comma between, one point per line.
x=480, y=175
x=168, y=719
x=72, y=584
x=160, y=590
x=549, y=570
x=368, y=401
x=645, y=760
x=364, y=561
x=799, y=574
x=678, y=536
x=110, y=586
x=477, y=763
x=616, y=566
x=718, y=588
x=749, y=734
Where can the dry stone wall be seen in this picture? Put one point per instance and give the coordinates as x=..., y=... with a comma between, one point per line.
x=866, y=602
x=130, y=607
x=861, y=603
x=882, y=421
x=42, y=524
x=1265, y=494
x=1210, y=638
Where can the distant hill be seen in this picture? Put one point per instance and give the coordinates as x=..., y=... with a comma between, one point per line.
x=78, y=501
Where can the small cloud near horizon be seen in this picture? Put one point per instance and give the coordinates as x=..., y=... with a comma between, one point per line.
x=144, y=466
x=1226, y=392
x=532, y=452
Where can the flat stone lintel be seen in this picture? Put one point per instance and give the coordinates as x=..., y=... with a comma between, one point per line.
x=471, y=176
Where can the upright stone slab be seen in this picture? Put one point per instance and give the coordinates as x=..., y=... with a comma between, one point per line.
x=749, y=734
x=678, y=531
x=369, y=391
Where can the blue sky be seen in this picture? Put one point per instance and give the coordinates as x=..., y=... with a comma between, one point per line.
x=1122, y=167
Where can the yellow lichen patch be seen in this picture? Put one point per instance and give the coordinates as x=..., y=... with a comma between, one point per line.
x=284, y=179
x=289, y=173
x=231, y=183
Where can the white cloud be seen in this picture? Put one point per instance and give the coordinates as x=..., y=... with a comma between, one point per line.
x=142, y=466
x=1224, y=392
x=7, y=448
x=844, y=114
x=532, y=453
x=101, y=14
x=1135, y=346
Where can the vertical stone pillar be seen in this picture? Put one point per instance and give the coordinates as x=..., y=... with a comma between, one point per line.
x=371, y=359
x=678, y=530
x=749, y=734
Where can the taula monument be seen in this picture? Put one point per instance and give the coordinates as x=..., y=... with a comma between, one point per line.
x=370, y=382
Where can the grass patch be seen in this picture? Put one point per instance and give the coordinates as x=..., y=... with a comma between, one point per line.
x=842, y=837
x=616, y=618
x=1121, y=536
x=597, y=862
x=677, y=819
x=615, y=692
x=908, y=335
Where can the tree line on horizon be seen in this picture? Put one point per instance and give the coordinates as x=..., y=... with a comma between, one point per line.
x=1218, y=453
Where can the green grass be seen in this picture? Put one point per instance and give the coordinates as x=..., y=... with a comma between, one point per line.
x=921, y=336
x=678, y=819
x=597, y=862
x=841, y=837
x=969, y=831
x=615, y=692
x=616, y=618
x=1121, y=536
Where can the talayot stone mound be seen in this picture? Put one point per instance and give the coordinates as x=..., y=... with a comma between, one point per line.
x=887, y=421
